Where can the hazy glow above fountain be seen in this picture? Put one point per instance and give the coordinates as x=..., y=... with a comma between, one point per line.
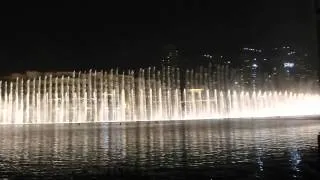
x=147, y=95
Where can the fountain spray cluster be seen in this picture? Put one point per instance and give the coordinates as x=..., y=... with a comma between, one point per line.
x=144, y=95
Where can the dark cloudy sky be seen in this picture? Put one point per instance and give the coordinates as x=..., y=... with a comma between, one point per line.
x=81, y=36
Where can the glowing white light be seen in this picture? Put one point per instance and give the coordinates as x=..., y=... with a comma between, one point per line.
x=287, y=64
x=254, y=65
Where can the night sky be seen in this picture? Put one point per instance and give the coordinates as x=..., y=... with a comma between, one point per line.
x=50, y=37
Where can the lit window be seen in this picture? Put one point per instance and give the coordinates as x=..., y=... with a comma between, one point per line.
x=290, y=65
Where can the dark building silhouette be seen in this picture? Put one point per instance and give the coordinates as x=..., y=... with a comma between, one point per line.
x=251, y=60
x=170, y=56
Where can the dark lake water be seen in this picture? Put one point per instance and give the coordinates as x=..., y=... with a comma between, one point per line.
x=204, y=149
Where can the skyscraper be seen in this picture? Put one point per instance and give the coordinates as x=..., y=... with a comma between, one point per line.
x=170, y=56
x=250, y=69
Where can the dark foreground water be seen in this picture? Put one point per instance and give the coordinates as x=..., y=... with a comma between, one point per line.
x=238, y=149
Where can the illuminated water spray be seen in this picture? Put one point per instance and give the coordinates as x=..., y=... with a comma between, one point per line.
x=144, y=95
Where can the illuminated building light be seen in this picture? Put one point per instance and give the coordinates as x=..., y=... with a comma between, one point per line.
x=292, y=52
x=290, y=65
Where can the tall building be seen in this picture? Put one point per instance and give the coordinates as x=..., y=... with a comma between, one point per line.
x=251, y=67
x=291, y=68
x=170, y=56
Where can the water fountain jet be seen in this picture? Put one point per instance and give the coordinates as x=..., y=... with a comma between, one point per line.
x=145, y=95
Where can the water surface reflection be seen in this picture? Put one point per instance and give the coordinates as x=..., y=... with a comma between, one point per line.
x=225, y=149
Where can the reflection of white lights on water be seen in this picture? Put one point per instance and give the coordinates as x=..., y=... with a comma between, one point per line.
x=295, y=160
x=260, y=163
x=259, y=159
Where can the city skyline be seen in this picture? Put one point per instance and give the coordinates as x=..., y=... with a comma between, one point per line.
x=256, y=68
x=206, y=55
